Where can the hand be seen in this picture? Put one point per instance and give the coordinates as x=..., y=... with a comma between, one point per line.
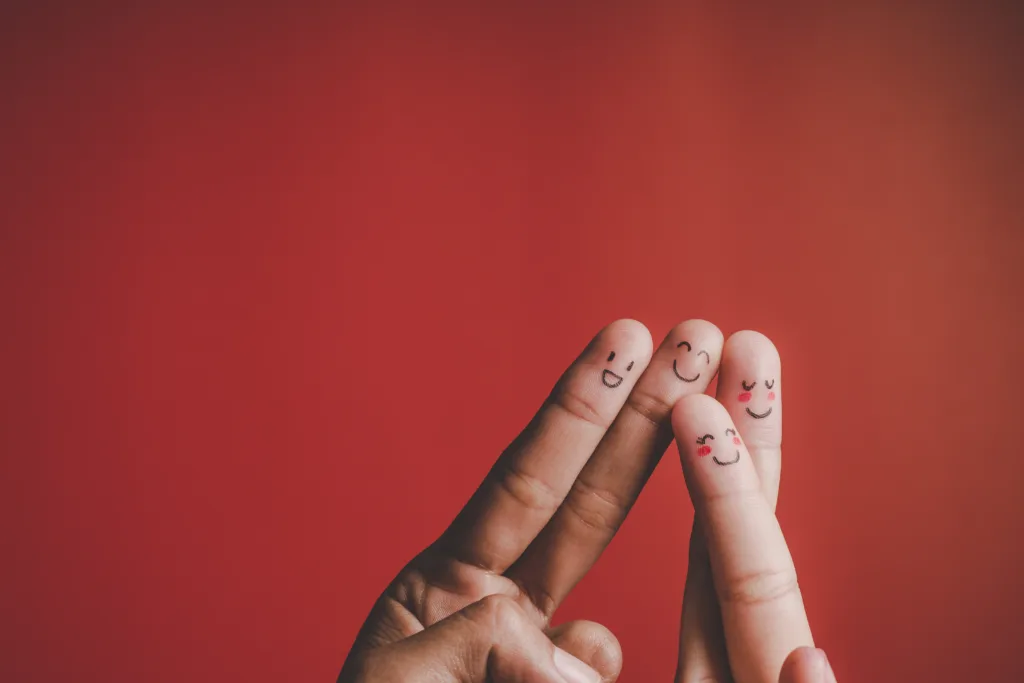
x=743, y=616
x=477, y=603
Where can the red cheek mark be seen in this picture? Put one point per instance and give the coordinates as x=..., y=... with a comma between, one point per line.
x=745, y=396
x=703, y=450
x=771, y=395
x=736, y=440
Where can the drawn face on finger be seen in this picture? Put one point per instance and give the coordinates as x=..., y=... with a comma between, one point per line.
x=759, y=404
x=611, y=379
x=687, y=362
x=731, y=442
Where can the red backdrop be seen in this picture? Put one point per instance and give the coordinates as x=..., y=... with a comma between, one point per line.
x=278, y=284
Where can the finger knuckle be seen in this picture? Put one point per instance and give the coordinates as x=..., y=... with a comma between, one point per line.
x=595, y=508
x=759, y=588
x=530, y=491
x=537, y=600
x=650, y=407
x=574, y=403
x=499, y=614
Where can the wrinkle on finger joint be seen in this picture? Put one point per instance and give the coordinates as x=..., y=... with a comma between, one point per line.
x=759, y=588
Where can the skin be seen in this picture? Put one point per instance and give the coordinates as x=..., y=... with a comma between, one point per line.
x=477, y=604
x=747, y=356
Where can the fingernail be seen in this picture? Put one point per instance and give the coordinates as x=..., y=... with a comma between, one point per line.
x=573, y=670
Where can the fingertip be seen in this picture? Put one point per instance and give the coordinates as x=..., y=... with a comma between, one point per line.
x=573, y=670
x=630, y=333
x=592, y=644
x=698, y=335
x=695, y=410
x=805, y=665
x=751, y=342
x=713, y=454
x=750, y=386
x=706, y=329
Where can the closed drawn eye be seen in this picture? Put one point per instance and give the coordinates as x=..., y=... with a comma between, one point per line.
x=748, y=387
x=730, y=432
x=630, y=366
x=769, y=384
x=686, y=344
x=707, y=356
x=702, y=439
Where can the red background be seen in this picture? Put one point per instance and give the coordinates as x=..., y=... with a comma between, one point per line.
x=279, y=283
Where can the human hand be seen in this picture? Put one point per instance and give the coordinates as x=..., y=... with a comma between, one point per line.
x=743, y=615
x=476, y=605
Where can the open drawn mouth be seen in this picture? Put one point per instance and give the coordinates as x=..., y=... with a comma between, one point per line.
x=759, y=416
x=685, y=379
x=731, y=462
x=612, y=380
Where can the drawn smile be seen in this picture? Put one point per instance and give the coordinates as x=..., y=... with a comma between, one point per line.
x=731, y=462
x=612, y=380
x=758, y=416
x=685, y=379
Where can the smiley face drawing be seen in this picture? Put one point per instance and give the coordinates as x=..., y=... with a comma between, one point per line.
x=704, y=448
x=748, y=395
x=610, y=379
x=675, y=367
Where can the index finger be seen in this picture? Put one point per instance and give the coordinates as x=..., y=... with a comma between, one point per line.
x=763, y=614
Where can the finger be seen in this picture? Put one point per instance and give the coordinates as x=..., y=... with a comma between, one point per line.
x=490, y=640
x=592, y=644
x=533, y=475
x=807, y=665
x=762, y=611
x=609, y=484
x=750, y=387
x=702, y=654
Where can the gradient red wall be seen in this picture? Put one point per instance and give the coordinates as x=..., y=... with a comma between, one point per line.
x=279, y=283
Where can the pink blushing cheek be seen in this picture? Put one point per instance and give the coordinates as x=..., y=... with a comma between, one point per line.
x=703, y=450
x=745, y=397
x=771, y=395
x=736, y=440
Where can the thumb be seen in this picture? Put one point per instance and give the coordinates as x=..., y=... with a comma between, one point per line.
x=492, y=640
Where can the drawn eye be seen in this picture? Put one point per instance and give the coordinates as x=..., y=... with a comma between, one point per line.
x=730, y=432
x=630, y=366
x=686, y=344
x=748, y=387
x=769, y=385
x=707, y=356
x=702, y=439
x=611, y=356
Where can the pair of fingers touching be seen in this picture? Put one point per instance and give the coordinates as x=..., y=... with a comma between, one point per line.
x=557, y=495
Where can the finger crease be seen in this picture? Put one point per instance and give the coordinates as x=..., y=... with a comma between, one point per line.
x=589, y=513
x=759, y=588
x=530, y=491
x=579, y=408
x=648, y=406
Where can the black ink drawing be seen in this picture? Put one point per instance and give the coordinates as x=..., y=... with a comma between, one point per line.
x=736, y=440
x=704, y=448
x=609, y=378
x=747, y=396
x=675, y=368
